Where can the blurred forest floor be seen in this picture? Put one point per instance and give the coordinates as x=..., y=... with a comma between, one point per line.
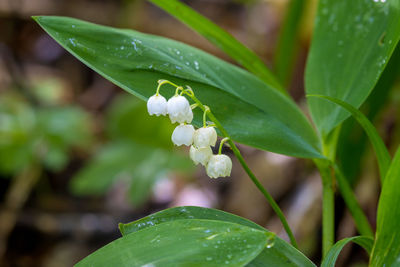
x=75, y=149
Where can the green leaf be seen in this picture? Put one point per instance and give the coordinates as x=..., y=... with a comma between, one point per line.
x=280, y=254
x=380, y=149
x=353, y=140
x=333, y=253
x=252, y=112
x=386, y=249
x=352, y=42
x=288, y=46
x=222, y=39
x=61, y=128
x=137, y=166
x=128, y=119
x=182, y=243
x=114, y=161
x=152, y=169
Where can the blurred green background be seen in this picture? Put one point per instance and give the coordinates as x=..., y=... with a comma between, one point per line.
x=78, y=155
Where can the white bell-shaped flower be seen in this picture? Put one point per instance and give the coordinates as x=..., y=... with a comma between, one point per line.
x=205, y=136
x=157, y=105
x=183, y=135
x=179, y=110
x=219, y=166
x=200, y=155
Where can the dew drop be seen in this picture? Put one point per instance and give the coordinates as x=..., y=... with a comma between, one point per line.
x=196, y=65
x=72, y=41
x=134, y=45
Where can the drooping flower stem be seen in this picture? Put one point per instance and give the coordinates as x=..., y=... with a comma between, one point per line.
x=208, y=113
x=238, y=155
x=223, y=141
x=207, y=109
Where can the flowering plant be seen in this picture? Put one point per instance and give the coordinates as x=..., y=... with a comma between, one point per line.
x=346, y=59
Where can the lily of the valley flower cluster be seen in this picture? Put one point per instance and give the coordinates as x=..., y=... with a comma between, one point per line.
x=200, y=140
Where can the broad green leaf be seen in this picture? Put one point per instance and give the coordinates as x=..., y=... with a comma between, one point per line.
x=380, y=149
x=219, y=37
x=183, y=243
x=152, y=169
x=44, y=134
x=128, y=119
x=252, y=112
x=352, y=42
x=138, y=166
x=280, y=254
x=353, y=140
x=287, y=47
x=114, y=161
x=386, y=251
x=333, y=253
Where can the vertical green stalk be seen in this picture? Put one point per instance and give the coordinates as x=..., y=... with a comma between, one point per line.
x=328, y=205
x=360, y=220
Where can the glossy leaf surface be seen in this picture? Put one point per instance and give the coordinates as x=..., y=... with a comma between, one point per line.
x=353, y=140
x=333, y=253
x=280, y=254
x=252, y=112
x=352, y=42
x=386, y=251
x=183, y=243
x=220, y=38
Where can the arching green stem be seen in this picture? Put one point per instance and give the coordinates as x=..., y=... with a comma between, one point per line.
x=223, y=141
x=162, y=82
x=207, y=109
x=253, y=178
x=207, y=112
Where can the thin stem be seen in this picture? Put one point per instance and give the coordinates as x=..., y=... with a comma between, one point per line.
x=162, y=82
x=207, y=109
x=221, y=144
x=356, y=212
x=328, y=206
x=269, y=198
x=253, y=178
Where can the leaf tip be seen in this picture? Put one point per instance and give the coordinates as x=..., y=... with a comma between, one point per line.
x=35, y=18
x=121, y=228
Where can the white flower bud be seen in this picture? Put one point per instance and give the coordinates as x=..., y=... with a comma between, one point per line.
x=179, y=109
x=183, y=135
x=200, y=155
x=205, y=136
x=219, y=166
x=157, y=105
